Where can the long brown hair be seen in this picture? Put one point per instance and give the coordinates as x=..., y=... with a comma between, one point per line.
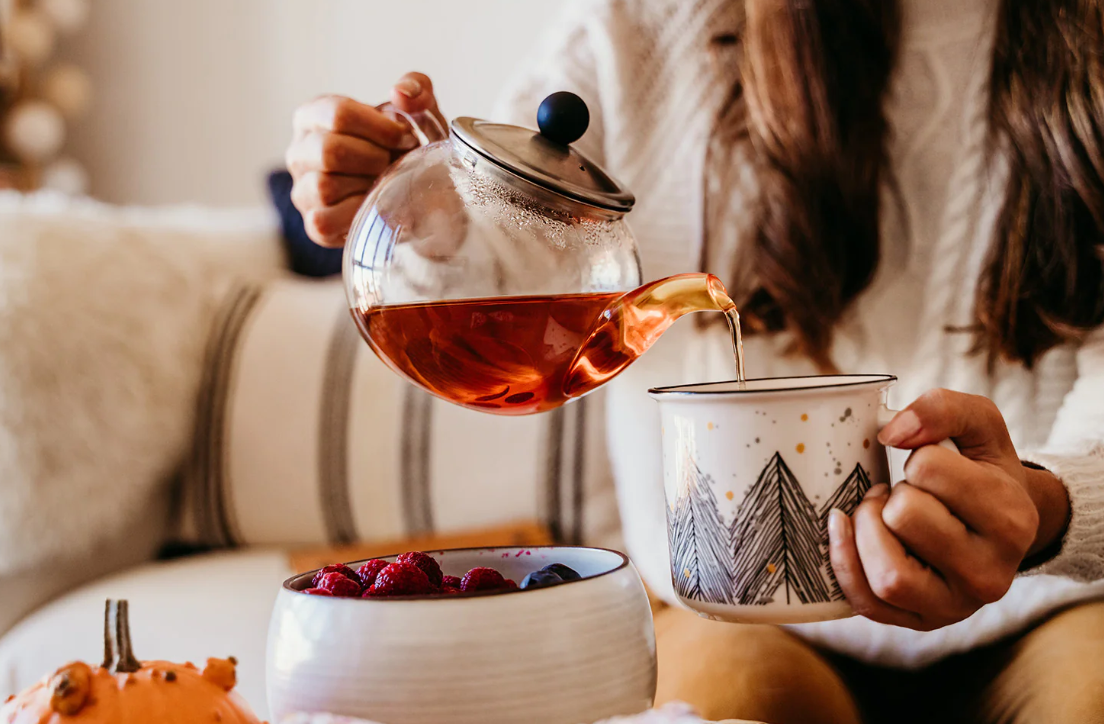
x=809, y=107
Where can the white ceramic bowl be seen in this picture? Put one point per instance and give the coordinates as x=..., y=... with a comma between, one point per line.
x=567, y=654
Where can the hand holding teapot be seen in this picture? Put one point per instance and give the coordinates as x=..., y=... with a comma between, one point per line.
x=340, y=147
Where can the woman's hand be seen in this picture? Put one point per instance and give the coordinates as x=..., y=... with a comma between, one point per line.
x=938, y=547
x=339, y=149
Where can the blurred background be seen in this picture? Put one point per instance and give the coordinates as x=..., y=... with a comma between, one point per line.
x=167, y=101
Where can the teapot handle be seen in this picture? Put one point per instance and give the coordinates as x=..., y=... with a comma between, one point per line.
x=425, y=126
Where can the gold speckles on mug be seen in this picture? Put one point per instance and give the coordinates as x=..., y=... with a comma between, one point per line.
x=709, y=426
x=771, y=568
x=801, y=447
x=685, y=572
x=730, y=495
x=866, y=443
x=804, y=417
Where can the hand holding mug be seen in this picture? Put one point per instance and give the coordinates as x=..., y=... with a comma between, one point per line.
x=951, y=537
x=340, y=147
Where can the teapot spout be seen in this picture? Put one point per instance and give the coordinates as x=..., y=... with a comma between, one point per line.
x=633, y=322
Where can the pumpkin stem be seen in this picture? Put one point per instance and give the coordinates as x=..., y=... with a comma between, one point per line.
x=118, y=654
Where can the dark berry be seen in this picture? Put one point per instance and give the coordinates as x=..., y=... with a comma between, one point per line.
x=450, y=582
x=334, y=568
x=511, y=585
x=565, y=573
x=482, y=579
x=540, y=579
x=402, y=579
x=368, y=571
x=340, y=586
x=427, y=563
x=317, y=592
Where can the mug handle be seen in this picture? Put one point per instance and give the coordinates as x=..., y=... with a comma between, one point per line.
x=425, y=126
x=897, y=470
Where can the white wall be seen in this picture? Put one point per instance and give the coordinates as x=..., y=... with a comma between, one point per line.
x=194, y=97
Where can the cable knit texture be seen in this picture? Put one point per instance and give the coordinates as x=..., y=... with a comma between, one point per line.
x=655, y=83
x=1082, y=553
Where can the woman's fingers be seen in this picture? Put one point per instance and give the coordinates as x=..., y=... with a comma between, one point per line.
x=328, y=225
x=894, y=576
x=340, y=147
x=317, y=189
x=982, y=496
x=849, y=573
x=931, y=532
x=414, y=93
x=336, y=153
x=344, y=116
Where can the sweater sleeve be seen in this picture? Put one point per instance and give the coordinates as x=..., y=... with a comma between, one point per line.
x=564, y=60
x=1075, y=453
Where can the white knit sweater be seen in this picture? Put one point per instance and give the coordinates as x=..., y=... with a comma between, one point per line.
x=653, y=85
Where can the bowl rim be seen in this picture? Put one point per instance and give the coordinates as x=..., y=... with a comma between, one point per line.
x=287, y=585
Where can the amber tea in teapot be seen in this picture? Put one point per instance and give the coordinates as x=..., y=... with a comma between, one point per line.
x=522, y=355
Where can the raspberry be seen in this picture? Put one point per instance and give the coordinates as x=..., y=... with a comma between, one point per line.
x=339, y=585
x=402, y=579
x=450, y=582
x=317, y=592
x=334, y=568
x=511, y=585
x=369, y=571
x=427, y=563
x=482, y=579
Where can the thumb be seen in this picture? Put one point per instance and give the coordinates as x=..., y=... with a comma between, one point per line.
x=414, y=93
x=973, y=422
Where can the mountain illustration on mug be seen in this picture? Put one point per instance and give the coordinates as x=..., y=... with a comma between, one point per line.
x=776, y=545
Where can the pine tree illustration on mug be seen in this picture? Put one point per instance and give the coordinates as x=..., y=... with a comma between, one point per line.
x=846, y=499
x=777, y=539
x=700, y=549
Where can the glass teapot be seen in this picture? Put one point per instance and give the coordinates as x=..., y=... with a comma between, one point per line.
x=493, y=266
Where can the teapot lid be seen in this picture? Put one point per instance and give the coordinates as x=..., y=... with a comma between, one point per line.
x=546, y=158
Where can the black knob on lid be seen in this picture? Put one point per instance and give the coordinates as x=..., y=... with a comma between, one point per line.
x=563, y=118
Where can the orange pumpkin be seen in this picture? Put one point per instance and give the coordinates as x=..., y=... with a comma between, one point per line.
x=125, y=691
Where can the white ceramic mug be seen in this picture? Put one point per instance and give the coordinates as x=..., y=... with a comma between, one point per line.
x=750, y=474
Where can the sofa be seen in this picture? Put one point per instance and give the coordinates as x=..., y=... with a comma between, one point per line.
x=184, y=423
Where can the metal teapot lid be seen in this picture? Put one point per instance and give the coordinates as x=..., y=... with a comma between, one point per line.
x=547, y=158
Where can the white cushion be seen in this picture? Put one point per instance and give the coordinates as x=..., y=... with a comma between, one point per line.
x=104, y=313
x=186, y=610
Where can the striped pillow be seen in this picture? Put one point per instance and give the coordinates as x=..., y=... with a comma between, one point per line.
x=304, y=437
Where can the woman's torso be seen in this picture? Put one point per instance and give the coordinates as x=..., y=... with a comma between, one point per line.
x=661, y=81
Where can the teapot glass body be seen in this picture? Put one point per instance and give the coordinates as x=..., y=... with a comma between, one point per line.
x=493, y=291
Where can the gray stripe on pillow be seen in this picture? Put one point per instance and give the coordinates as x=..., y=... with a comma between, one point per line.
x=417, y=418
x=553, y=467
x=569, y=455
x=578, y=469
x=333, y=431
x=214, y=516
